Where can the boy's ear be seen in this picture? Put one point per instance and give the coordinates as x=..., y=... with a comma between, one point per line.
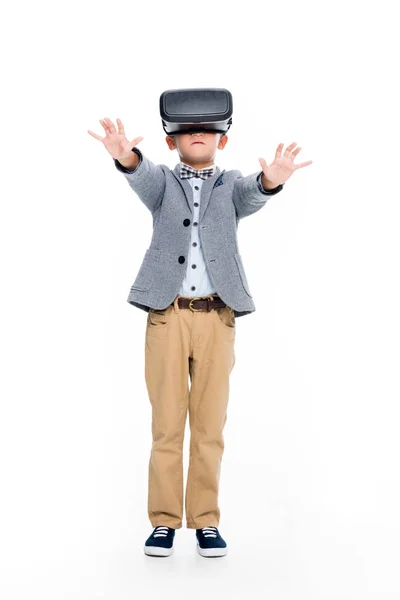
x=171, y=142
x=222, y=141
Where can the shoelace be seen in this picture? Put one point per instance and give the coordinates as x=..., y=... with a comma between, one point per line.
x=209, y=531
x=160, y=531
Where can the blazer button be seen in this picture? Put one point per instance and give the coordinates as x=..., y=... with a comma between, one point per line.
x=181, y=259
x=186, y=222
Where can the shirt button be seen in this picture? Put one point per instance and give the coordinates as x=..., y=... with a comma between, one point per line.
x=194, y=266
x=194, y=244
x=196, y=203
x=195, y=224
x=193, y=288
x=196, y=187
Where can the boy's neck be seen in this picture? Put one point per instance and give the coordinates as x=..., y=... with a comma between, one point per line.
x=201, y=166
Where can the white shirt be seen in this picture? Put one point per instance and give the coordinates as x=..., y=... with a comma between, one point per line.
x=196, y=281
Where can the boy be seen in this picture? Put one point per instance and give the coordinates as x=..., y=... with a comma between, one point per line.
x=193, y=285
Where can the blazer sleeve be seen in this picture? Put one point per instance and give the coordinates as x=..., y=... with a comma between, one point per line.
x=249, y=195
x=147, y=180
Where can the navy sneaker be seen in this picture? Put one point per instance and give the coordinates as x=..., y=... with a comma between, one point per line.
x=160, y=542
x=210, y=542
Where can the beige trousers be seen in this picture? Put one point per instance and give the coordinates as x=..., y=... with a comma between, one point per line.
x=182, y=344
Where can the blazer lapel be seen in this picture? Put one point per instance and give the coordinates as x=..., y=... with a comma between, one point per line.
x=206, y=188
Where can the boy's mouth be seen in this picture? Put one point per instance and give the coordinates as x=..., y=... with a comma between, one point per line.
x=197, y=143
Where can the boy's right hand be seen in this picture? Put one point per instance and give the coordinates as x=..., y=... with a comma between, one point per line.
x=115, y=141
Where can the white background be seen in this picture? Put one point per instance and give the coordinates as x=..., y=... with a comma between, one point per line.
x=310, y=486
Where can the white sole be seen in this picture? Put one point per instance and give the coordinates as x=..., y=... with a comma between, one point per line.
x=158, y=551
x=211, y=552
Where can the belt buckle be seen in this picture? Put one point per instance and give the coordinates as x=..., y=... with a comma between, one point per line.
x=191, y=307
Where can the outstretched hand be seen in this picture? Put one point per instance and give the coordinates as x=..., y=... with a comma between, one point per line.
x=283, y=166
x=115, y=141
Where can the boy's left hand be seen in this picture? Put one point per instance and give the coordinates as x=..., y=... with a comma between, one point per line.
x=282, y=168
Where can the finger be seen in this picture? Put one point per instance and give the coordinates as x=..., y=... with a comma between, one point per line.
x=263, y=163
x=133, y=143
x=104, y=125
x=120, y=127
x=98, y=137
x=294, y=153
x=110, y=125
x=304, y=164
x=278, y=152
x=289, y=149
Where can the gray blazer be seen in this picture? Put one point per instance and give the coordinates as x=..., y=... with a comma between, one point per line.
x=226, y=197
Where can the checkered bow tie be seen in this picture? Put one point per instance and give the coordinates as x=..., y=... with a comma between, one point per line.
x=188, y=171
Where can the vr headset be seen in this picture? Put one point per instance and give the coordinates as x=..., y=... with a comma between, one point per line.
x=196, y=109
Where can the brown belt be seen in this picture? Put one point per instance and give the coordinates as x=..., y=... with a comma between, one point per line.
x=205, y=303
